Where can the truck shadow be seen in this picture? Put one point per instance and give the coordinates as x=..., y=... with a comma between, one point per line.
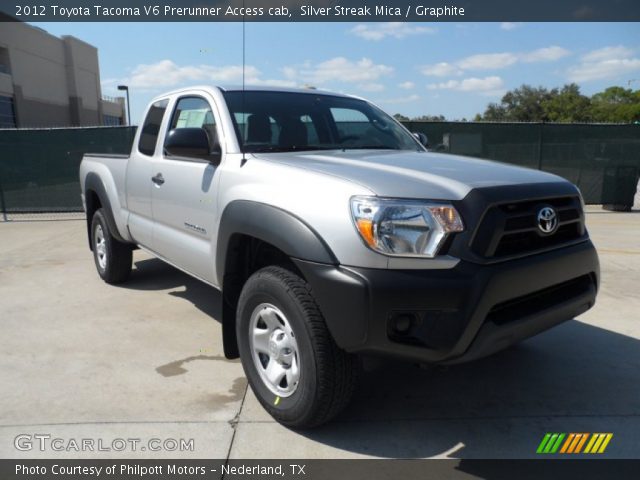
x=154, y=274
x=574, y=378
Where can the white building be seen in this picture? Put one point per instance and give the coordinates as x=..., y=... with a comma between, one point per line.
x=46, y=81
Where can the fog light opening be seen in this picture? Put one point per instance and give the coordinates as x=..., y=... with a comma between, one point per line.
x=401, y=323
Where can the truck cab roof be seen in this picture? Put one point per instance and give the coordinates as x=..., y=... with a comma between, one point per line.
x=256, y=88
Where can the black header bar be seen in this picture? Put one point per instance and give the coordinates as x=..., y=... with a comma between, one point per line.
x=300, y=469
x=320, y=10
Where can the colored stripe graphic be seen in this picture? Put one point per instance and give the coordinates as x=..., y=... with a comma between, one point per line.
x=581, y=442
x=598, y=443
x=574, y=443
x=550, y=443
x=576, y=439
x=567, y=443
x=605, y=443
x=590, y=444
x=544, y=441
x=556, y=445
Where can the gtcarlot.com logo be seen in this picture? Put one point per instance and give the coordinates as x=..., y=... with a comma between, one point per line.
x=48, y=443
x=574, y=443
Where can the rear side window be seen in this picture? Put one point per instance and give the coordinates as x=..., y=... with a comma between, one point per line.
x=151, y=128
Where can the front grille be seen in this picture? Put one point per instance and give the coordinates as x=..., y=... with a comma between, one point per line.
x=541, y=300
x=511, y=229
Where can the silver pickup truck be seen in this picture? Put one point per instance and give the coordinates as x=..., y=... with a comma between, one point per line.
x=331, y=232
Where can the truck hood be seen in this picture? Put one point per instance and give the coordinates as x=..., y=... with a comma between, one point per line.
x=412, y=174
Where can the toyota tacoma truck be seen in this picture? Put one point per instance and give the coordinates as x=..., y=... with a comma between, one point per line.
x=332, y=232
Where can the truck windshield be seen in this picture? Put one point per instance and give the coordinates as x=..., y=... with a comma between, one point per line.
x=267, y=121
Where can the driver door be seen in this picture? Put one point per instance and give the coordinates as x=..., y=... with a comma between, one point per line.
x=184, y=194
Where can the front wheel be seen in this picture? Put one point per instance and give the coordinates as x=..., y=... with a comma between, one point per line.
x=296, y=370
x=112, y=258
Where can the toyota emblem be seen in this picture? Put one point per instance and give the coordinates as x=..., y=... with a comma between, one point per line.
x=547, y=220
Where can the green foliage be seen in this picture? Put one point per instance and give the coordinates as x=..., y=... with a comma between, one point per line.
x=429, y=118
x=567, y=105
x=531, y=104
x=525, y=103
x=616, y=104
x=421, y=118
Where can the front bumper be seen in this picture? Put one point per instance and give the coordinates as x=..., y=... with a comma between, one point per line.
x=455, y=315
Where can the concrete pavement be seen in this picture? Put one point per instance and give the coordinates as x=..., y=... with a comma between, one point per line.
x=84, y=360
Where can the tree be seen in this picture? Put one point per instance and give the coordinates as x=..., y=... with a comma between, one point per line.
x=617, y=95
x=524, y=104
x=429, y=118
x=616, y=104
x=493, y=113
x=529, y=104
x=401, y=118
x=567, y=105
x=421, y=118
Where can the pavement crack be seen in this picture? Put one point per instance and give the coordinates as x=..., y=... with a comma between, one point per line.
x=234, y=425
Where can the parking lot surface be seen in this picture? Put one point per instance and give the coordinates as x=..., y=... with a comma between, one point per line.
x=84, y=360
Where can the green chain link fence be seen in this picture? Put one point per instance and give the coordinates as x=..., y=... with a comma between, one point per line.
x=39, y=168
x=603, y=160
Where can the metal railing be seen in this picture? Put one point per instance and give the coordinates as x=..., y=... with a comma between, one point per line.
x=107, y=98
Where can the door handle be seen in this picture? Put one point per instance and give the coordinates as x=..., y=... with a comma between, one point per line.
x=158, y=179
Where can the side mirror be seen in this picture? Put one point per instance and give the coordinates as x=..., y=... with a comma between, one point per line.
x=192, y=143
x=422, y=138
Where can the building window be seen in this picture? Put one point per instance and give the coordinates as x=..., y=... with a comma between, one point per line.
x=4, y=61
x=111, y=120
x=7, y=113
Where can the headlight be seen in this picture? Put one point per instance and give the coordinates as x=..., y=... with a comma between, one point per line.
x=408, y=228
x=582, y=204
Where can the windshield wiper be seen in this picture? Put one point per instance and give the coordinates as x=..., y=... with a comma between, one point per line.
x=370, y=147
x=292, y=148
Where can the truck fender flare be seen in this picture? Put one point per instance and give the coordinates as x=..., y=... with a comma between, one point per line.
x=93, y=183
x=280, y=228
x=273, y=225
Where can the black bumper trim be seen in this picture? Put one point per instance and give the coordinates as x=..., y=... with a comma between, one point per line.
x=452, y=307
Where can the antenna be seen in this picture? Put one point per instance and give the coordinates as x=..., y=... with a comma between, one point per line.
x=243, y=48
x=244, y=113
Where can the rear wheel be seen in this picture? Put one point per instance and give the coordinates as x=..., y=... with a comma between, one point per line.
x=296, y=370
x=112, y=258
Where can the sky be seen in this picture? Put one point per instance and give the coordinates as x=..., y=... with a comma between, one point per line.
x=450, y=69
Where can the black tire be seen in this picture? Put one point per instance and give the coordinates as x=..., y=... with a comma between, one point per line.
x=328, y=375
x=115, y=266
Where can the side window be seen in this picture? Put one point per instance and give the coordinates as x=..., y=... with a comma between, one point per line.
x=194, y=112
x=151, y=128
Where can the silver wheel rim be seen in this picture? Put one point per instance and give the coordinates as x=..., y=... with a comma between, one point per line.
x=101, y=247
x=274, y=350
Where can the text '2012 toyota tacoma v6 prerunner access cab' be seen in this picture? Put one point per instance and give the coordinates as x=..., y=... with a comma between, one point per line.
x=331, y=231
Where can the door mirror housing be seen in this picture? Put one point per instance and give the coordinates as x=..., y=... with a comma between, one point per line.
x=422, y=138
x=192, y=143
